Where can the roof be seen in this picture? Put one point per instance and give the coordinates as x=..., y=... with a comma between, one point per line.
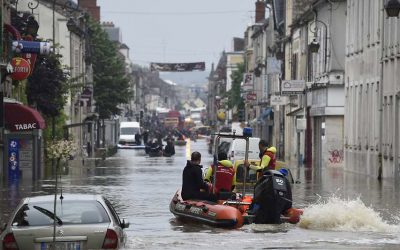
x=67, y=196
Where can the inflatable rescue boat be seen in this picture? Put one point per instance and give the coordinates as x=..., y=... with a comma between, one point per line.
x=206, y=212
x=270, y=204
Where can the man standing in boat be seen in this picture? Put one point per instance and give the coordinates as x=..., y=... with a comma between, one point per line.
x=192, y=181
x=225, y=175
x=267, y=158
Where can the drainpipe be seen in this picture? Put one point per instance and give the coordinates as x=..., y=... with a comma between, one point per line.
x=382, y=35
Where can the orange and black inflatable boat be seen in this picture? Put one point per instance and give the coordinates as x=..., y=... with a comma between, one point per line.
x=213, y=214
x=270, y=204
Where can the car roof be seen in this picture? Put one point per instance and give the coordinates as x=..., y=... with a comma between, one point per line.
x=67, y=196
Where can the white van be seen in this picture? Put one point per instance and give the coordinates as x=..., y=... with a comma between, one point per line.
x=127, y=132
x=237, y=149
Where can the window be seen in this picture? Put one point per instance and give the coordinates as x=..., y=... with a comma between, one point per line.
x=69, y=212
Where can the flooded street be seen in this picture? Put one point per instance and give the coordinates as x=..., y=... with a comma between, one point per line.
x=342, y=210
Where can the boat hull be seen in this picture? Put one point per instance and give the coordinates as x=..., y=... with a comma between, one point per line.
x=180, y=142
x=205, y=212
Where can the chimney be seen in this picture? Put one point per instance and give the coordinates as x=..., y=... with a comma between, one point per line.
x=260, y=11
x=91, y=7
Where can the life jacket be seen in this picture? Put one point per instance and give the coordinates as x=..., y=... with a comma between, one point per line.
x=272, y=162
x=224, y=176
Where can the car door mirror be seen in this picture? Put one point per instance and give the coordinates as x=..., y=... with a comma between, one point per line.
x=124, y=224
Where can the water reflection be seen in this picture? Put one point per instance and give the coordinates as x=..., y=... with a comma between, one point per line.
x=142, y=187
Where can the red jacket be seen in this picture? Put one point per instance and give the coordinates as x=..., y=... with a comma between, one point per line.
x=272, y=162
x=225, y=176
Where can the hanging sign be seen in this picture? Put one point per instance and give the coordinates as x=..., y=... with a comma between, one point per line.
x=247, y=82
x=279, y=100
x=178, y=67
x=34, y=47
x=21, y=68
x=292, y=87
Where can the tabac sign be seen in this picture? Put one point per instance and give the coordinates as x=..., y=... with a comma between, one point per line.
x=292, y=87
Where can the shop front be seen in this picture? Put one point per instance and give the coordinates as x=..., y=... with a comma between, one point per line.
x=22, y=142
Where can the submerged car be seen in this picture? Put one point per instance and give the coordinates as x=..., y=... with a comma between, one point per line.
x=83, y=221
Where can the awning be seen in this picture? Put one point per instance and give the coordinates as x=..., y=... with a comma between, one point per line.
x=296, y=112
x=18, y=117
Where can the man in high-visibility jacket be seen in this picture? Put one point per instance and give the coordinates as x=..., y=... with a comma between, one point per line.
x=267, y=158
x=225, y=175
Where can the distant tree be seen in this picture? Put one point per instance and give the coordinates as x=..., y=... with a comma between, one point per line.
x=111, y=84
x=234, y=98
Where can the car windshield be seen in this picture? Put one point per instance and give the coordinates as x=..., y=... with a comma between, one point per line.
x=69, y=212
x=129, y=131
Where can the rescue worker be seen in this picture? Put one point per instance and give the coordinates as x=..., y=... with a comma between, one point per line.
x=267, y=158
x=193, y=185
x=169, y=148
x=225, y=175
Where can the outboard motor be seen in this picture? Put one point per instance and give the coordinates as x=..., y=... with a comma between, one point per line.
x=273, y=195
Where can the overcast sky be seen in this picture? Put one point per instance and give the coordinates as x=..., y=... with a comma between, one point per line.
x=178, y=30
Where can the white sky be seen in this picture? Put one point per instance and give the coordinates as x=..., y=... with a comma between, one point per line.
x=178, y=30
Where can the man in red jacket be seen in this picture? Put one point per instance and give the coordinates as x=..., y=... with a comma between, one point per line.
x=225, y=175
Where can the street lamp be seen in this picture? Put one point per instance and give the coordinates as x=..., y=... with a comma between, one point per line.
x=314, y=46
x=32, y=26
x=392, y=8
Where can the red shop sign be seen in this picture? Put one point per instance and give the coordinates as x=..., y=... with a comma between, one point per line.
x=21, y=68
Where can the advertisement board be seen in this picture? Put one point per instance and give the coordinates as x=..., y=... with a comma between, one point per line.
x=292, y=87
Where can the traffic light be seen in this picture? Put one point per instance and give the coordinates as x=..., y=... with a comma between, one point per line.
x=141, y=114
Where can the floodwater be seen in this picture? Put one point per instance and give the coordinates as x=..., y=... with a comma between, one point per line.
x=341, y=210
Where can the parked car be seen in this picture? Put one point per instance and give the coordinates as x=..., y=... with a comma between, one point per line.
x=83, y=221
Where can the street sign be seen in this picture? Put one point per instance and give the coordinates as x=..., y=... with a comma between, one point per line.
x=279, y=100
x=33, y=47
x=247, y=82
x=273, y=66
x=292, y=87
x=251, y=96
x=21, y=68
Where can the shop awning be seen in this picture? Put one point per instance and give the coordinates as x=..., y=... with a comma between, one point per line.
x=18, y=117
x=296, y=112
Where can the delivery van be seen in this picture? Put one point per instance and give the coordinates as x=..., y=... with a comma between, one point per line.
x=237, y=149
x=127, y=133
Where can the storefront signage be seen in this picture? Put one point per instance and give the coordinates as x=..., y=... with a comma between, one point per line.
x=13, y=159
x=292, y=87
x=251, y=97
x=21, y=68
x=279, y=100
x=34, y=47
x=25, y=126
x=273, y=66
x=247, y=82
